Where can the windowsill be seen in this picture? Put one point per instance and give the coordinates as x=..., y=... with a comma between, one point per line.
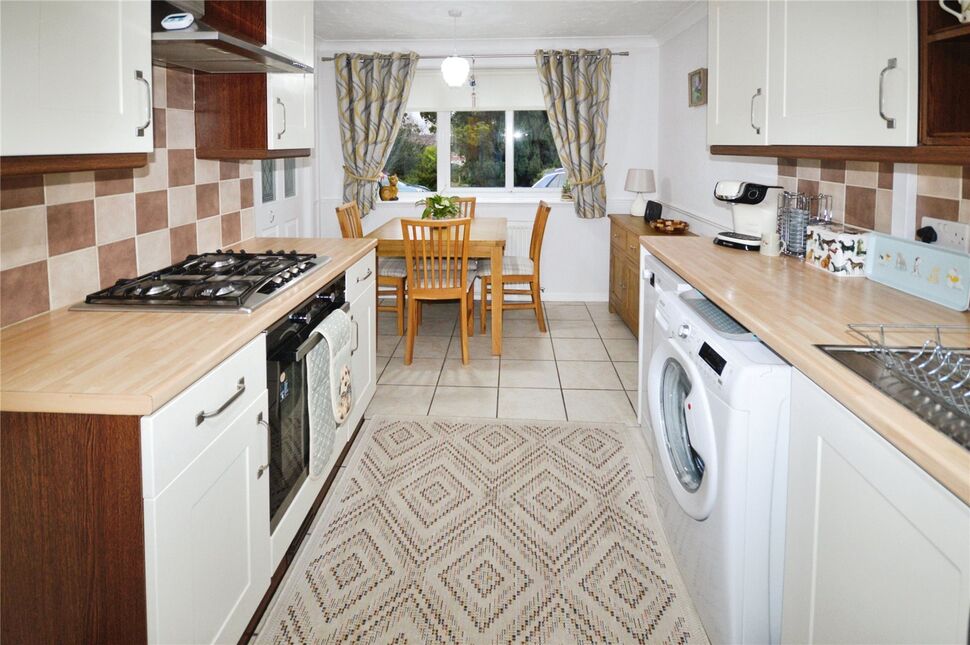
x=408, y=199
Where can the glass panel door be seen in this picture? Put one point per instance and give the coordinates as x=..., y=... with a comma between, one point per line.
x=675, y=387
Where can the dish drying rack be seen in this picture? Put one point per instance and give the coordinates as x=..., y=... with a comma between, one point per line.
x=937, y=367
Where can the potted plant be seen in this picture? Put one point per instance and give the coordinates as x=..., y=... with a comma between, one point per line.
x=439, y=207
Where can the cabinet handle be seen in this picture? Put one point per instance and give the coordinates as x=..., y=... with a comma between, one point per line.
x=279, y=101
x=203, y=415
x=756, y=129
x=139, y=76
x=269, y=447
x=890, y=122
x=356, y=336
x=369, y=273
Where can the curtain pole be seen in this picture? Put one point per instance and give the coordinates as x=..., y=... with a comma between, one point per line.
x=442, y=57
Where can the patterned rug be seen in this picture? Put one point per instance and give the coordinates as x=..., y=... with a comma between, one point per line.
x=485, y=531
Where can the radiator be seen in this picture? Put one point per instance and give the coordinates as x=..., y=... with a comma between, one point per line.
x=519, y=237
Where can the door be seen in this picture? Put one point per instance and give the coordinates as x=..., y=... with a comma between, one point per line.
x=363, y=316
x=835, y=65
x=209, y=533
x=737, y=81
x=76, y=77
x=290, y=111
x=876, y=550
x=282, y=191
x=289, y=29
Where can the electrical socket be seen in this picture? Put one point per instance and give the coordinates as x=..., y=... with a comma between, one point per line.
x=950, y=235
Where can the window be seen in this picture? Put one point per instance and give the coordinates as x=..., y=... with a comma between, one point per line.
x=489, y=150
x=268, y=174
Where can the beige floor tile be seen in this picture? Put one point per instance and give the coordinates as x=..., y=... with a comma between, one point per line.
x=609, y=328
x=400, y=399
x=532, y=374
x=530, y=403
x=478, y=373
x=633, y=396
x=437, y=326
x=440, y=310
x=464, y=401
x=599, y=405
x=387, y=344
x=479, y=347
x=382, y=362
x=527, y=349
x=574, y=311
x=588, y=375
x=572, y=329
x=421, y=371
x=622, y=350
x=521, y=329
x=599, y=310
x=579, y=349
x=510, y=314
x=629, y=374
x=426, y=346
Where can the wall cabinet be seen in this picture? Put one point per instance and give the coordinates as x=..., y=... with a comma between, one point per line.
x=289, y=29
x=77, y=78
x=813, y=74
x=876, y=550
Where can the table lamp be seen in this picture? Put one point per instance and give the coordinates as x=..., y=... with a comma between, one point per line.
x=639, y=181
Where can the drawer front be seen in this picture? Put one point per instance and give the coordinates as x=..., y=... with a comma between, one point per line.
x=361, y=275
x=617, y=235
x=174, y=436
x=633, y=247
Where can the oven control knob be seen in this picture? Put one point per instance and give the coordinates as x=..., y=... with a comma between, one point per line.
x=302, y=317
x=683, y=331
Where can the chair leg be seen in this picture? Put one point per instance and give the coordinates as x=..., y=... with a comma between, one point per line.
x=464, y=333
x=484, y=314
x=537, y=301
x=412, y=330
x=400, y=308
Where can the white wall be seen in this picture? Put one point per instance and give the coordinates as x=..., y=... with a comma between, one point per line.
x=575, y=262
x=687, y=171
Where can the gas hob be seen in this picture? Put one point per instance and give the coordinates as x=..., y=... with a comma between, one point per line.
x=224, y=281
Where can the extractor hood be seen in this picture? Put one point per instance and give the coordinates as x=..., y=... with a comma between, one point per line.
x=218, y=53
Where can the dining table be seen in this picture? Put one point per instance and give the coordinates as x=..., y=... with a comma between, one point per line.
x=486, y=240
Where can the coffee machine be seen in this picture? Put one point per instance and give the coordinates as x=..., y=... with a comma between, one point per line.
x=754, y=209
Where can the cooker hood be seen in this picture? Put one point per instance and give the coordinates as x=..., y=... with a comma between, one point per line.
x=219, y=53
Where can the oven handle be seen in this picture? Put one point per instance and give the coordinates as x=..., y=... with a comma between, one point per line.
x=307, y=346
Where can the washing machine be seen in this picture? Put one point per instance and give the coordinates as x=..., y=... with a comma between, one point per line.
x=719, y=407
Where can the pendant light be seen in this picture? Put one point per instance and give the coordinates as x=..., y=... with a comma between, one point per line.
x=454, y=69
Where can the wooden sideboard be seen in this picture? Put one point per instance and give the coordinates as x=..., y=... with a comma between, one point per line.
x=625, y=232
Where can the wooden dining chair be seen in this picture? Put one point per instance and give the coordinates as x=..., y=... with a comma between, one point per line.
x=467, y=206
x=518, y=270
x=436, y=258
x=391, y=274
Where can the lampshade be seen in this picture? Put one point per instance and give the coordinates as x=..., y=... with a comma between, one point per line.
x=640, y=180
x=454, y=70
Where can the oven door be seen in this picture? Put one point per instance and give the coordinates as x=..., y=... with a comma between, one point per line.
x=289, y=449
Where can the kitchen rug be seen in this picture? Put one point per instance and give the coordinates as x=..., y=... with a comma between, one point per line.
x=486, y=531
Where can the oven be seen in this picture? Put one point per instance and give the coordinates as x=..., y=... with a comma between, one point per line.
x=288, y=342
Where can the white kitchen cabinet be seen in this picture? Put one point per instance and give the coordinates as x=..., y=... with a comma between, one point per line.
x=362, y=288
x=76, y=77
x=831, y=71
x=290, y=111
x=737, y=72
x=289, y=29
x=877, y=551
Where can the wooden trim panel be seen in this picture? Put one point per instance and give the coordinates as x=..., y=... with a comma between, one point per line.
x=40, y=164
x=72, y=541
x=244, y=19
x=915, y=154
x=242, y=155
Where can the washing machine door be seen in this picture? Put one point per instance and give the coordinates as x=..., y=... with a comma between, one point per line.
x=684, y=429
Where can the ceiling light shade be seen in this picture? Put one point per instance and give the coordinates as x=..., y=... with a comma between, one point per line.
x=454, y=70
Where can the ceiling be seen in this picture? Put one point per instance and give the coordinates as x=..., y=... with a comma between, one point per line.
x=428, y=19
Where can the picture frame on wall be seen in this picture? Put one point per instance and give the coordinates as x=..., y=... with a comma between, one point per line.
x=697, y=87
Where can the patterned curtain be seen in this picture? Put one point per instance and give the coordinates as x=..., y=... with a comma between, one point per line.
x=576, y=89
x=372, y=92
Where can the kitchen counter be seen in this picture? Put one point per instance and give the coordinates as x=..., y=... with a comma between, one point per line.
x=793, y=307
x=133, y=362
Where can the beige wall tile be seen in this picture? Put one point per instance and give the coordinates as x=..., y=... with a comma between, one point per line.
x=809, y=169
x=180, y=128
x=115, y=217
x=209, y=234
x=73, y=276
x=158, y=87
x=939, y=181
x=24, y=292
x=23, y=236
x=181, y=205
x=206, y=171
x=862, y=173
x=154, y=251
x=229, y=199
x=837, y=191
x=788, y=183
x=65, y=187
x=965, y=211
x=246, y=169
x=154, y=176
x=884, y=211
x=247, y=223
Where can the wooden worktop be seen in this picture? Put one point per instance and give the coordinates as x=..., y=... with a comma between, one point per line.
x=793, y=307
x=639, y=226
x=132, y=362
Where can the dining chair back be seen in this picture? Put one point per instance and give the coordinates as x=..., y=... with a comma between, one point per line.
x=467, y=206
x=538, y=232
x=436, y=257
x=349, y=217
